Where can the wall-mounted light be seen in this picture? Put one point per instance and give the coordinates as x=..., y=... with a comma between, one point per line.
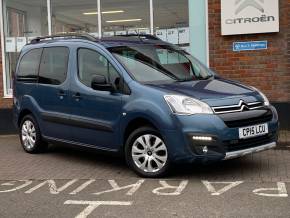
x=122, y=21
x=103, y=12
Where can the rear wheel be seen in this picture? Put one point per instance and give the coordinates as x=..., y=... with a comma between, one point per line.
x=30, y=135
x=146, y=153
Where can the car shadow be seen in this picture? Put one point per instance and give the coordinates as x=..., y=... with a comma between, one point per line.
x=236, y=168
x=89, y=157
x=230, y=169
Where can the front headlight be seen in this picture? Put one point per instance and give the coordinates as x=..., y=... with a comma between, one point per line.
x=184, y=105
x=266, y=101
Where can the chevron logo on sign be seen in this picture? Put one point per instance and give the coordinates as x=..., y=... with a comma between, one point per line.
x=242, y=4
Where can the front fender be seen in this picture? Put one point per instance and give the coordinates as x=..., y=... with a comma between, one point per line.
x=161, y=118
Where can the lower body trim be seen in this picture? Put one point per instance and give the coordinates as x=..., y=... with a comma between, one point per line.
x=240, y=153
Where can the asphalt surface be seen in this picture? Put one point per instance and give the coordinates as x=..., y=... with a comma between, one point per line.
x=69, y=182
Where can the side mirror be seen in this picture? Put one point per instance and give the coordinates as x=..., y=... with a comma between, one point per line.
x=100, y=83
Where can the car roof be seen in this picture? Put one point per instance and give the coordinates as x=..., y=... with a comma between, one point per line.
x=107, y=42
x=129, y=41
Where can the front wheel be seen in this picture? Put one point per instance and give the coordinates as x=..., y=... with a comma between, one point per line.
x=146, y=153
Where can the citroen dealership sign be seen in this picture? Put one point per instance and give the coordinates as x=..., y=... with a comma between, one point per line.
x=249, y=16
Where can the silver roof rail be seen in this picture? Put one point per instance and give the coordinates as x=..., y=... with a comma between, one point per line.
x=64, y=36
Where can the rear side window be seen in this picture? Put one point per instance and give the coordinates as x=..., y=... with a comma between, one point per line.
x=28, y=66
x=53, y=66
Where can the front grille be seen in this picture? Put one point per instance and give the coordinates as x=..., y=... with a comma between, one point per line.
x=242, y=106
x=247, y=118
x=248, y=122
x=236, y=145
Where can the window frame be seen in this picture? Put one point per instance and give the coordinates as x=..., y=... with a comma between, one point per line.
x=94, y=50
x=11, y=9
x=67, y=64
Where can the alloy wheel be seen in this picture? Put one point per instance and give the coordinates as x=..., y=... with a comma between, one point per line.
x=149, y=153
x=28, y=134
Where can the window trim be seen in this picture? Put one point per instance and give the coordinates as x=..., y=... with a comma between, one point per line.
x=67, y=65
x=78, y=73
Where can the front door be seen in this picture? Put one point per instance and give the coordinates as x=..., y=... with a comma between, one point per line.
x=95, y=114
x=53, y=91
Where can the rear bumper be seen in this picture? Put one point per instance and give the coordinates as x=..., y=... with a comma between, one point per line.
x=15, y=117
x=240, y=153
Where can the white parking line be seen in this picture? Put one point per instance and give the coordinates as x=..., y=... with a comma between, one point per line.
x=213, y=191
x=82, y=187
x=165, y=186
x=162, y=188
x=12, y=183
x=115, y=187
x=52, y=186
x=281, y=188
x=92, y=205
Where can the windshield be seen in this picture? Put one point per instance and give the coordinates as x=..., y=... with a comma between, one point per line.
x=160, y=63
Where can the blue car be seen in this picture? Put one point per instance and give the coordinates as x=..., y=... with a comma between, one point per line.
x=137, y=96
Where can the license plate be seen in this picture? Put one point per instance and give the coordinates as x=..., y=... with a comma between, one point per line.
x=253, y=131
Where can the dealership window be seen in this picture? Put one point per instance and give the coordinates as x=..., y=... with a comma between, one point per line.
x=171, y=21
x=121, y=17
x=74, y=16
x=22, y=21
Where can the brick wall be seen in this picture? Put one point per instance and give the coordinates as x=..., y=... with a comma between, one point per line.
x=288, y=37
x=4, y=102
x=267, y=70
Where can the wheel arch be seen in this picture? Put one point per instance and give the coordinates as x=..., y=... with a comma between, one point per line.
x=22, y=114
x=136, y=123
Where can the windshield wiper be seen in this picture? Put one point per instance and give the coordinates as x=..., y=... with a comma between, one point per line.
x=197, y=78
x=205, y=78
x=185, y=80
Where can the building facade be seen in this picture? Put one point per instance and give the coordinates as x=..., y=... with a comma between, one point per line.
x=244, y=40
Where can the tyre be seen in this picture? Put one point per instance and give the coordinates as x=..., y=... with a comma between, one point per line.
x=30, y=136
x=146, y=153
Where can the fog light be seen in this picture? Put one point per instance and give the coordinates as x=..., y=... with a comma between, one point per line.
x=204, y=149
x=202, y=138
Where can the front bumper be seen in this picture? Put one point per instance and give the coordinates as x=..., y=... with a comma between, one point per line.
x=225, y=144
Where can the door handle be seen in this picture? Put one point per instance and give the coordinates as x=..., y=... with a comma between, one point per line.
x=77, y=96
x=61, y=94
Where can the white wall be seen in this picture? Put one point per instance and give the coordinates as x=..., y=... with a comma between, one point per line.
x=199, y=29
